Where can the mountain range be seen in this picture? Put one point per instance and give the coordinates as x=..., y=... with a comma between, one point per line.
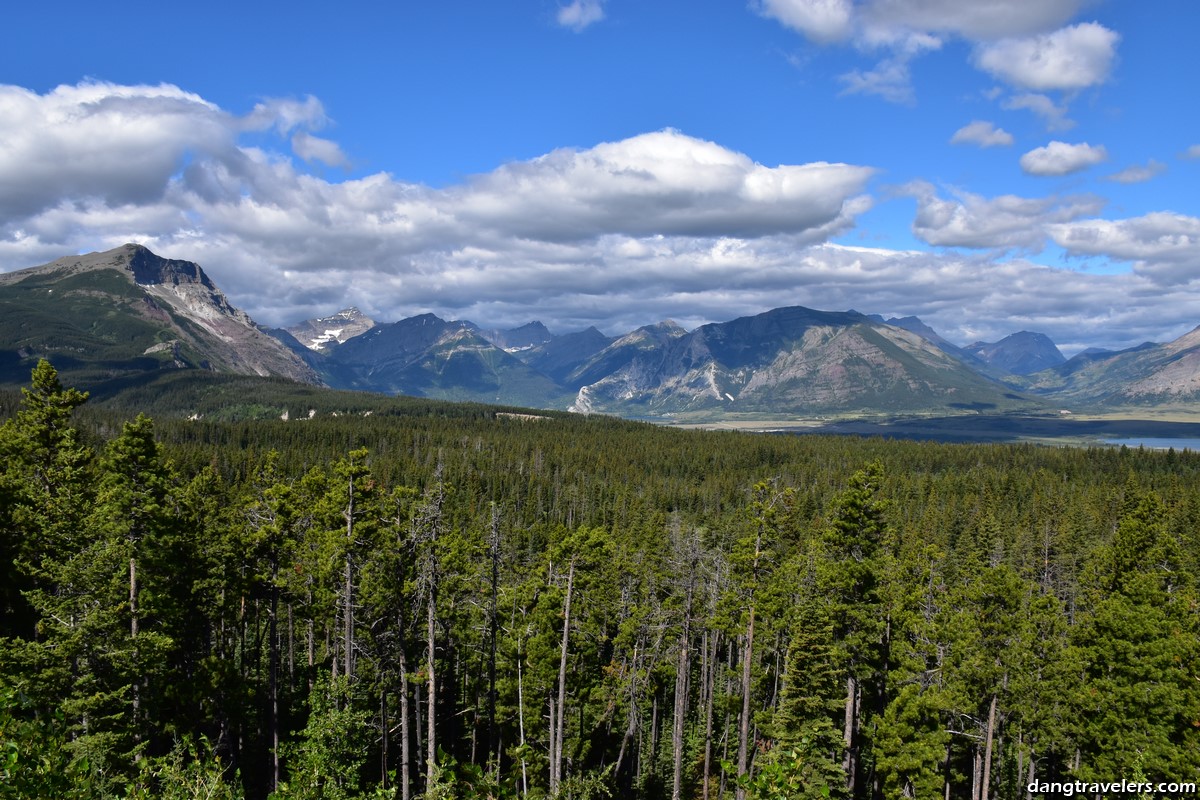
x=123, y=316
x=120, y=314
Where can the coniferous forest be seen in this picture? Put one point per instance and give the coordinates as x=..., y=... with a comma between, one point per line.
x=455, y=602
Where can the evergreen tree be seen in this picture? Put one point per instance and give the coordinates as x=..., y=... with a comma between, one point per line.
x=848, y=581
x=44, y=492
x=1137, y=647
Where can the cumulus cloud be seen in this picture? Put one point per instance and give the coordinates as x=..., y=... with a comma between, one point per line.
x=1060, y=158
x=285, y=114
x=1004, y=222
x=970, y=20
x=1164, y=246
x=982, y=133
x=1054, y=115
x=615, y=235
x=1192, y=152
x=1139, y=173
x=1070, y=58
x=819, y=20
x=1021, y=42
x=893, y=20
x=580, y=14
x=890, y=78
x=313, y=148
x=65, y=184
x=119, y=143
x=663, y=182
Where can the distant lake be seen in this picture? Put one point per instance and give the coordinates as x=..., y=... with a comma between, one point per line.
x=1152, y=443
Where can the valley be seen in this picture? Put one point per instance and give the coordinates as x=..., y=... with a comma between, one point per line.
x=142, y=326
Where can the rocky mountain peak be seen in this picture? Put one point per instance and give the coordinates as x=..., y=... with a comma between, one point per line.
x=1021, y=353
x=152, y=300
x=323, y=332
x=149, y=269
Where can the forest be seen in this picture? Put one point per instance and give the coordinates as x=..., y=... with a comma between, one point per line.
x=450, y=601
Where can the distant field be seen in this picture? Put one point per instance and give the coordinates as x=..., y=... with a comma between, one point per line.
x=1082, y=429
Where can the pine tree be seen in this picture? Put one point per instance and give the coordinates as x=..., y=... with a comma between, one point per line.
x=848, y=580
x=44, y=492
x=1137, y=647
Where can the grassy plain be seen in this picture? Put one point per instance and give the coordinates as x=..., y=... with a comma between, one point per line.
x=1091, y=428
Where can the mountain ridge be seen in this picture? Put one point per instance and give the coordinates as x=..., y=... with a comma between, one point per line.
x=125, y=312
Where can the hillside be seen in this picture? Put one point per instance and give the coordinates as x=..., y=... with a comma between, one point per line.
x=112, y=321
x=1146, y=375
x=128, y=312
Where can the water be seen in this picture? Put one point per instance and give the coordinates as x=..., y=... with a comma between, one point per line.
x=1153, y=443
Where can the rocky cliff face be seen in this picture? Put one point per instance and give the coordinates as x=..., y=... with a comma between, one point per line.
x=1021, y=353
x=789, y=360
x=1144, y=375
x=128, y=303
x=325, y=332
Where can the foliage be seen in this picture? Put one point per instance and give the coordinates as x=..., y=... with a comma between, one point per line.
x=580, y=606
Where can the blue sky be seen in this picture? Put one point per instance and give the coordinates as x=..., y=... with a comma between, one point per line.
x=987, y=166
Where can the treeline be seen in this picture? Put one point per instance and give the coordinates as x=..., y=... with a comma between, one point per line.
x=455, y=602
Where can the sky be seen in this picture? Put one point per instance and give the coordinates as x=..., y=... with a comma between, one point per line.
x=990, y=166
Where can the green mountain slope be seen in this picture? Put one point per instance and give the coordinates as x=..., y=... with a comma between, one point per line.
x=792, y=361
x=127, y=312
x=430, y=357
x=1150, y=374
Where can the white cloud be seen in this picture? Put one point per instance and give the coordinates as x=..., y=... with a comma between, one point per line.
x=1192, y=152
x=1068, y=59
x=616, y=235
x=1139, y=173
x=880, y=21
x=1019, y=41
x=1164, y=246
x=313, y=148
x=890, y=78
x=971, y=20
x=1004, y=222
x=197, y=186
x=286, y=114
x=655, y=183
x=580, y=14
x=1053, y=115
x=1060, y=158
x=120, y=143
x=819, y=20
x=982, y=133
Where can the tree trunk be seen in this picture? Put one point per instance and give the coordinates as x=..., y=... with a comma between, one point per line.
x=493, y=632
x=405, y=779
x=849, y=729
x=418, y=707
x=431, y=684
x=312, y=637
x=552, y=746
x=521, y=723
x=744, y=723
x=135, y=684
x=710, y=671
x=383, y=735
x=984, y=792
x=946, y=772
x=556, y=756
x=273, y=677
x=747, y=659
x=632, y=725
x=976, y=773
x=348, y=589
x=681, y=697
